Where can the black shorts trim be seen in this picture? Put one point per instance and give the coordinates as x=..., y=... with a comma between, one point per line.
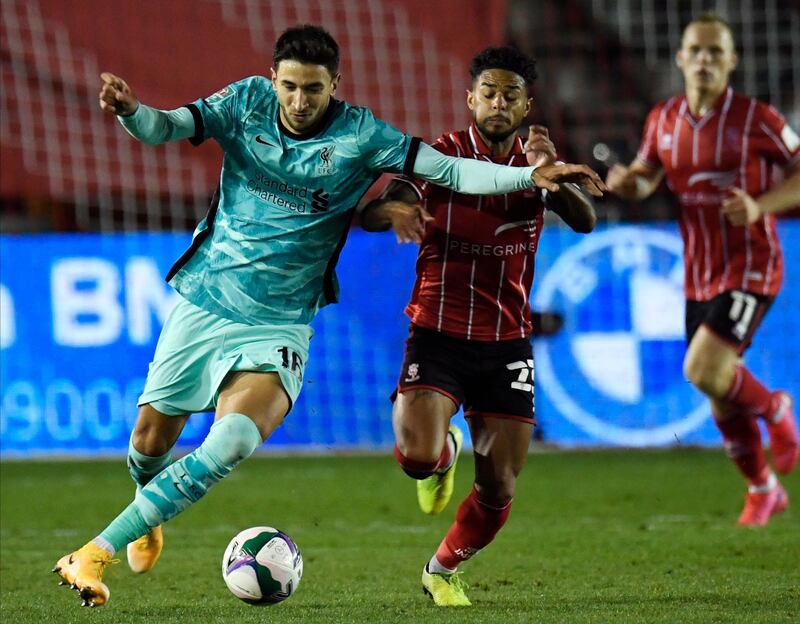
x=732, y=316
x=485, y=378
x=442, y=391
x=524, y=419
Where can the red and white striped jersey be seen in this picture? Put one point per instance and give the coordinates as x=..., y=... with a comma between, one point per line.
x=740, y=142
x=476, y=261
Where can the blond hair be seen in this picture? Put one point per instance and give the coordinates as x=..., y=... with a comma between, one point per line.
x=712, y=17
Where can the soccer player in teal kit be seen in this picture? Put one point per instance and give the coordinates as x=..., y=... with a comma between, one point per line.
x=262, y=262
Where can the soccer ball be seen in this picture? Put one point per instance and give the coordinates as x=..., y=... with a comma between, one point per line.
x=262, y=565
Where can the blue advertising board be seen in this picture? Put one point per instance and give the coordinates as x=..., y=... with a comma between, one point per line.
x=80, y=316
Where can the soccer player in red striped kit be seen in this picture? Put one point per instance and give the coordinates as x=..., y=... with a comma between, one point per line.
x=720, y=151
x=469, y=341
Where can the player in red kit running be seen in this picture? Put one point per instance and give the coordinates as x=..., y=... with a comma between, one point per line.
x=469, y=341
x=718, y=150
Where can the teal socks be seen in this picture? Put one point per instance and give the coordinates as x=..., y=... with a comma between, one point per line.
x=231, y=439
x=144, y=467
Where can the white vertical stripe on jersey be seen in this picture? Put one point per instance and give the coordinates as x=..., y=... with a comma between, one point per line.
x=453, y=137
x=471, y=300
x=769, y=228
x=524, y=296
x=676, y=134
x=775, y=140
x=500, y=305
x=723, y=230
x=648, y=138
x=743, y=185
x=691, y=254
x=444, y=260
x=662, y=117
x=721, y=125
x=701, y=213
x=695, y=136
x=472, y=139
x=521, y=147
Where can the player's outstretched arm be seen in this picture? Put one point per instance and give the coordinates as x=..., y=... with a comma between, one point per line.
x=574, y=208
x=475, y=177
x=398, y=209
x=148, y=125
x=548, y=177
x=635, y=182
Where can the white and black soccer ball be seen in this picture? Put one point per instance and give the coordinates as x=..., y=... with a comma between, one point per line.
x=262, y=566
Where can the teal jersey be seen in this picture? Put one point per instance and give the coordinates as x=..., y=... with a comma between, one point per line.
x=267, y=250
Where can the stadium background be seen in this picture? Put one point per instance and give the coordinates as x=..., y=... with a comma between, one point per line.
x=91, y=219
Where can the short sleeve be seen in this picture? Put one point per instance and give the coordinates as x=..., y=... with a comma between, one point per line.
x=648, y=149
x=384, y=147
x=218, y=116
x=775, y=139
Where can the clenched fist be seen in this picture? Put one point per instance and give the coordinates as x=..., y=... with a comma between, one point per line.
x=116, y=97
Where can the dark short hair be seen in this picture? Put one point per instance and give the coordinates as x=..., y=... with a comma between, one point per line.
x=307, y=43
x=712, y=17
x=507, y=58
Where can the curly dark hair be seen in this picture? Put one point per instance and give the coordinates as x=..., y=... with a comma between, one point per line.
x=507, y=58
x=307, y=43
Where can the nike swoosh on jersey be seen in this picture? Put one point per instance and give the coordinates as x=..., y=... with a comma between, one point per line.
x=527, y=225
x=263, y=142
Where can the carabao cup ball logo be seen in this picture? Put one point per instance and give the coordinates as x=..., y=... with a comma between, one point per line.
x=616, y=370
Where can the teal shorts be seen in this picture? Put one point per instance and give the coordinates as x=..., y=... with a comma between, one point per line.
x=197, y=350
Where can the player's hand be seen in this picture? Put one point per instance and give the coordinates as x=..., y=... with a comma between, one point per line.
x=548, y=177
x=116, y=97
x=740, y=208
x=408, y=221
x=621, y=181
x=539, y=149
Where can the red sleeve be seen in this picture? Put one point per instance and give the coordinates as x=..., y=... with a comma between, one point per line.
x=774, y=139
x=648, y=150
x=443, y=144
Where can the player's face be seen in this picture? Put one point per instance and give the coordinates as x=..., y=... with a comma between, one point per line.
x=499, y=103
x=304, y=91
x=707, y=57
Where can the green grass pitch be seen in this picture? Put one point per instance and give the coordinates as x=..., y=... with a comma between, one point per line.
x=593, y=537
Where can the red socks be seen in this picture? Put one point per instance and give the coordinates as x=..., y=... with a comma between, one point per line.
x=475, y=527
x=422, y=470
x=748, y=399
x=743, y=445
x=749, y=395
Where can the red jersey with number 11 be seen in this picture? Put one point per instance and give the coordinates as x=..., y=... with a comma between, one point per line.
x=475, y=263
x=740, y=142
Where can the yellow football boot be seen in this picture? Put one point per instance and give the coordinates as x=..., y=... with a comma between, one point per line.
x=83, y=571
x=447, y=590
x=145, y=551
x=435, y=492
